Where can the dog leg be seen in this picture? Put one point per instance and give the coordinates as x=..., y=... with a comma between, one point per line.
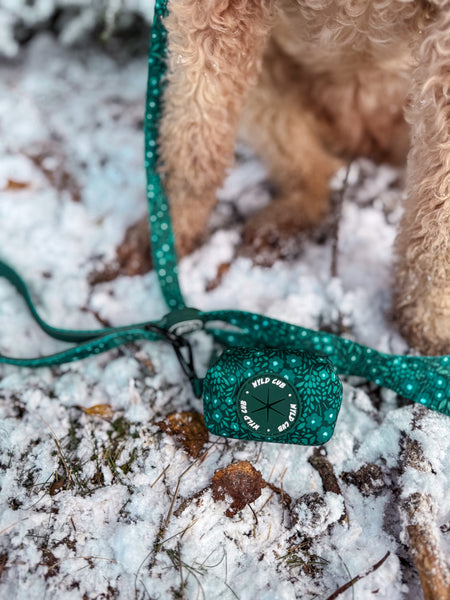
x=215, y=50
x=280, y=126
x=423, y=242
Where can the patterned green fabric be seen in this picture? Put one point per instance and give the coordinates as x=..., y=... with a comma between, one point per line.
x=163, y=247
x=289, y=371
x=272, y=396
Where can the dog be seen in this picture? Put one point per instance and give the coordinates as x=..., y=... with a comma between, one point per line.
x=309, y=84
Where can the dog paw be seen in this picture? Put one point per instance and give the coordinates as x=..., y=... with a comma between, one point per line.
x=265, y=242
x=278, y=230
x=426, y=323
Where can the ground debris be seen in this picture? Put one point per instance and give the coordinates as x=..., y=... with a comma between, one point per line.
x=104, y=411
x=300, y=556
x=424, y=547
x=352, y=582
x=51, y=562
x=413, y=456
x=52, y=162
x=133, y=254
x=12, y=185
x=320, y=462
x=368, y=479
x=313, y=514
x=104, y=273
x=3, y=561
x=222, y=270
x=188, y=428
x=241, y=481
x=419, y=516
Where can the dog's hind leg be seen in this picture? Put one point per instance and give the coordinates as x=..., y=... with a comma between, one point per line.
x=423, y=242
x=281, y=127
x=215, y=50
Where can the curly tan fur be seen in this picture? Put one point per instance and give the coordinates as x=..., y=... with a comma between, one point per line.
x=309, y=83
x=209, y=42
x=423, y=242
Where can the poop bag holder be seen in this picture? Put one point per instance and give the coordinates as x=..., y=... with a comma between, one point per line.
x=284, y=396
x=275, y=381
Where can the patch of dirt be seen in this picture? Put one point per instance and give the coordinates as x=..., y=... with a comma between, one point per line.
x=368, y=479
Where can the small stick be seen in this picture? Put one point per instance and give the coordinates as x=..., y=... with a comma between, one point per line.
x=319, y=461
x=59, y=450
x=337, y=220
x=430, y=564
x=423, y=533
x=352, y=582
x=159, y=476
x=12, y=525
x=3, y=561
x=198, y=460
x=180, y=566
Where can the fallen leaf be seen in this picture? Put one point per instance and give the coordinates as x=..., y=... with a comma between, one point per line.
x=221, y=272
x=104, y=411
x=133, y=254
x=13, y=185
x=105, y=273
x=187, y=427
x=241, y=481
x=57, y=485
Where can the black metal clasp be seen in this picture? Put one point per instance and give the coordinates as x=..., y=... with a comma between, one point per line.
x=184, y=353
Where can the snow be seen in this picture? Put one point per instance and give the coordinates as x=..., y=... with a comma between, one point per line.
x=74, y=18
x=78, y=119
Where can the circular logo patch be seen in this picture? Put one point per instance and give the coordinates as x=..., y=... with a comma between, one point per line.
x=268, y=404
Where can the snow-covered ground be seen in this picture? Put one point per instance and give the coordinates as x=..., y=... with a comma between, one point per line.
x=70, y=19
x=94, y=507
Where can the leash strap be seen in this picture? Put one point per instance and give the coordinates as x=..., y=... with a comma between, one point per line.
x=88, y=342
x=422, y=379
x=163, y=245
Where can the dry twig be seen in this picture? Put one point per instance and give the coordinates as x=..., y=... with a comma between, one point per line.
x=423, y=533
x=352, y=582
x=319, y=461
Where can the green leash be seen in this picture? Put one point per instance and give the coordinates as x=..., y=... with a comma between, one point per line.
x=276, y=382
